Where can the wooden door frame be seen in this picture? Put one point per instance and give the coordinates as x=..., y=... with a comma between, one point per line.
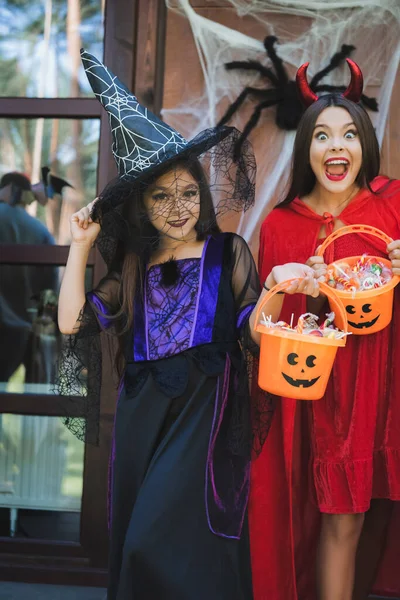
x=134, y=43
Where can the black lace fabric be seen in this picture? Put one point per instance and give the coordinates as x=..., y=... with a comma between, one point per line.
x=88, y=367
x=263, y=403
x=246, y=288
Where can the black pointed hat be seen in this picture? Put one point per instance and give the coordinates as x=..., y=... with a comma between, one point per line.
x=141, y=141
x=144, y=147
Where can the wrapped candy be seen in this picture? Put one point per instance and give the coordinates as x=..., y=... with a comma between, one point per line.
x=366, y=274
x=307, y=324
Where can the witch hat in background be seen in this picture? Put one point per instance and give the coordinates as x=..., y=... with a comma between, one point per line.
x=141, y=141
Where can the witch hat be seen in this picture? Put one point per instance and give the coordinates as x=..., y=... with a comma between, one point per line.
x=141, y=141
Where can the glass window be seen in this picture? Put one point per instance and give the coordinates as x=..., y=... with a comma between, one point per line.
x=30, y=340
x=40, y=42
x=69, y=147
x=41, y=477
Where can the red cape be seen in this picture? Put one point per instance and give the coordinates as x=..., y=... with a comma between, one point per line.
x=284, y=518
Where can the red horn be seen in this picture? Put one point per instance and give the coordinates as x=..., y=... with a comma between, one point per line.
x=355, y=88
x=307, y=96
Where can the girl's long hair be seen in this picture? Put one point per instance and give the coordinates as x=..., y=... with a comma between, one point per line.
x=302, y=179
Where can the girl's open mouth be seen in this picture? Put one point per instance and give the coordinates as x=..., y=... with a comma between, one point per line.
x=336, y=169
x=180, y=223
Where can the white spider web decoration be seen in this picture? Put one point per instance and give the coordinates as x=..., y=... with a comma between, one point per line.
x=140, y=139
x=372, y=26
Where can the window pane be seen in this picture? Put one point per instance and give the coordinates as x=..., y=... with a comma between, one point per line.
x=30, y=340
x=69, y=148
x=40, y=42
x=41, y=477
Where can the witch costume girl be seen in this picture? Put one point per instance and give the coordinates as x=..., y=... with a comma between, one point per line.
x=178, y=298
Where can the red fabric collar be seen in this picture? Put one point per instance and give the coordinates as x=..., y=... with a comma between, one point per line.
x=352, y=214
x=353, y=207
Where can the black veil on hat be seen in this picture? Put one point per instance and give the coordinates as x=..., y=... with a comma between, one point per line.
x=145, y=147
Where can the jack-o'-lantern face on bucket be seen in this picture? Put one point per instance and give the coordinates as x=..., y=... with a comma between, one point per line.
x=298, y=370
x=362, y=317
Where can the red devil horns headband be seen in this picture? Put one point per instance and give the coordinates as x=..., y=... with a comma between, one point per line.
x=352, y=93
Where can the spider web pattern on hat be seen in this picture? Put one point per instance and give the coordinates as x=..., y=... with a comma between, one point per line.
x=140, y=139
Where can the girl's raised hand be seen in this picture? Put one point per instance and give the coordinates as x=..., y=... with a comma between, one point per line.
x=305, y=280
x=393, y=250
x=84, y=231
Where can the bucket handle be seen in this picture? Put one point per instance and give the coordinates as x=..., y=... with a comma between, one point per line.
x=340, y=313
x=353, y=229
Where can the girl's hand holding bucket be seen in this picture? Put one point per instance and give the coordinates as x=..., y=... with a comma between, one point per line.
x=317, y=263
x=393, y=250
x=302, y=281
x=304, y=277
x=292, y=364
x=369, y=310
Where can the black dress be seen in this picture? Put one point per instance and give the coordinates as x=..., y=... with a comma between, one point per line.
x=180, y=462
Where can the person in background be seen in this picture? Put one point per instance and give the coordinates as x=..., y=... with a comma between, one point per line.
x=19, y=283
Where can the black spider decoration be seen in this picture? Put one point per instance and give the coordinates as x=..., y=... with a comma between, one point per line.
x=283, y=94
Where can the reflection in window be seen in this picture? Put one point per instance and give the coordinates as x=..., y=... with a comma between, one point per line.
x=40, y=42
x=69, y=148
x=30, y=340
x=41, y=476
x=30, y=337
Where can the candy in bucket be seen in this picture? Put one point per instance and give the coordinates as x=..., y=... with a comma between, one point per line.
x=296, y=361
x=364, y=284
x=308, y=324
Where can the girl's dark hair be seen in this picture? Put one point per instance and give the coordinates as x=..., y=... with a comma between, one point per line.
x=141, y=238
x=302, y=177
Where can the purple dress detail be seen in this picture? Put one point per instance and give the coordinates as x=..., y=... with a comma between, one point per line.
x=180, y=460
x=171, y=309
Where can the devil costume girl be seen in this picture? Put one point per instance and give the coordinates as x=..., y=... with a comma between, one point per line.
x=335, y=455
x=183, y=434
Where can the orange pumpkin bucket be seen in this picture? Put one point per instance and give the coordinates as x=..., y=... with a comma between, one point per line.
x=295, y=365
x=368, y=311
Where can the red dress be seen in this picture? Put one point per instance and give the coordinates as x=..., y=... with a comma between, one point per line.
x=336, y=454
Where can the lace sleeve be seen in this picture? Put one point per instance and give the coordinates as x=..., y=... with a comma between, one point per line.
x=87, y=367
x=245, y=282
x=246, y=289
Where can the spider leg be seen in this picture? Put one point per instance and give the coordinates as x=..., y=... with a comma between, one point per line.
x=269, y=45
x=253, y=65
x=336, y=60
x=252, y=122
x=369, y=102
x=240, y=99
